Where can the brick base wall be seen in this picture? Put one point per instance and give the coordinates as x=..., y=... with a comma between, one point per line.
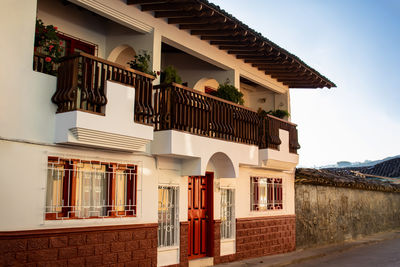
x=184, y=244
x=128, y=245
x=261, y=236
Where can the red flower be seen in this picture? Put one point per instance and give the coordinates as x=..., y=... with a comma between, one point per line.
x=55, y=28
x=61, y=42
x=158, y=73
x=47, y=59
x=51, y=47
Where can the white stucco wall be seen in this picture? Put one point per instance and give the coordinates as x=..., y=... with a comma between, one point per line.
x=243, y=190
x=23, y=185
x=28, y=115
x=198, y=150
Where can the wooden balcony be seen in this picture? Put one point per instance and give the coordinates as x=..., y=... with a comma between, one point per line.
x=81, y=86
x=184, y=109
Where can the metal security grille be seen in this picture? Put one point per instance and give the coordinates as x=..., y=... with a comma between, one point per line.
x=86, y=189
x=266, y=193
x=168, y=216
x=227, y=213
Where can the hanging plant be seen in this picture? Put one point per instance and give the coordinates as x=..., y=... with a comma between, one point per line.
x=48, y=43
x=229, y=92
x=141, y=63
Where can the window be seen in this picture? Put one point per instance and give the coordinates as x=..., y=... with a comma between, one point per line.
x=73, y=45
x=227, y=213
x=168, y=218
x=266, y=193
x=89, y=189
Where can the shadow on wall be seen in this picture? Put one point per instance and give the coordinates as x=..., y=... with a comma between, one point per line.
x=221, y=165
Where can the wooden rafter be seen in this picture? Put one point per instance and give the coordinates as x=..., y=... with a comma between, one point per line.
x=208, y=26
x=219, y=28
x=181, y=14
x=171, y=7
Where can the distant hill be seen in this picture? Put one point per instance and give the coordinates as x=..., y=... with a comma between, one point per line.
x=367, y=163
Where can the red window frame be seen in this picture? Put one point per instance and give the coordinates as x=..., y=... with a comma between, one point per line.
x=69, y=188
x=72, y=44
x=274, y=194
x=209, y=90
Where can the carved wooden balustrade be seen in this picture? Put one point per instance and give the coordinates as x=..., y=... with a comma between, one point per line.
x=181, y=108
x=81, y=85
x=39, y=64
x=269, y=128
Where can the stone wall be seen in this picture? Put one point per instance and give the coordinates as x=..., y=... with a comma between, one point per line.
x=129, y=245
x=332, y=214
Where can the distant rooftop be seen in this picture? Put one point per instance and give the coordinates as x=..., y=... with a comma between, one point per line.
x=343, y=178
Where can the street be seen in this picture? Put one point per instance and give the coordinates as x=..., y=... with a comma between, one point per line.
x=385, y=253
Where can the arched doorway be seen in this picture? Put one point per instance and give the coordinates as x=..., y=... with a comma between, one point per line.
x=122, y=54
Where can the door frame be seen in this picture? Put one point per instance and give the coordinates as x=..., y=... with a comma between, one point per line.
x=210, y=210
x=210, y=213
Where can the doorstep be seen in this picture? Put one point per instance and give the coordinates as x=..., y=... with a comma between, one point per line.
x=206, y=261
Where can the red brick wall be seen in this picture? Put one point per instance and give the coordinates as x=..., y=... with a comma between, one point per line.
x=129, y=245
x=262, y=236
x=184, y=240
x=217, y=241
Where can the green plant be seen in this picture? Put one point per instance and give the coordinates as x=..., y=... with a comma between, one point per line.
x=141, y=63
x=229, y=92
x=170, y=75
x=279, y=113
x=48, y=43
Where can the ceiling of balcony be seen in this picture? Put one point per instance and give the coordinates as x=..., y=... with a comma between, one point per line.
x=219, y=28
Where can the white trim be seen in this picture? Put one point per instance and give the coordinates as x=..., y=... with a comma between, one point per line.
x=114, y=15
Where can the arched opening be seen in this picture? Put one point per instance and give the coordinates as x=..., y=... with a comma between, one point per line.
x=206, y=83
x=221, y=165
x=122, y=54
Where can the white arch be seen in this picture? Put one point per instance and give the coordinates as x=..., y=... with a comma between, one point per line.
x=122, y=54
x=222, y=165
x=200, y=84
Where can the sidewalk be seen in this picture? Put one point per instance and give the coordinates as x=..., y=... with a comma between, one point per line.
x=302, y=255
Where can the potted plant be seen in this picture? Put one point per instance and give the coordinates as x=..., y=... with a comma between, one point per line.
x=229, y=92
x=279, y=113
x=170, y=75
x=48, y=43
x=141, y=63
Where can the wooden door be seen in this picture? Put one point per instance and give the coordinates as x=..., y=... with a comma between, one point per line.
x=199, y=214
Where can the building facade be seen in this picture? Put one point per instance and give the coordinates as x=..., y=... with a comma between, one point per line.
x=102, y=164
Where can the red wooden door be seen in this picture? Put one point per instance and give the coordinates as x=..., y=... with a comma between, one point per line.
x=200, y=209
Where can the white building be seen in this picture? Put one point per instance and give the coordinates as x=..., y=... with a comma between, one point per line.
x=98, y=167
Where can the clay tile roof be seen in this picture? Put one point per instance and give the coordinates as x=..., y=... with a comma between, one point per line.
x=211, y=23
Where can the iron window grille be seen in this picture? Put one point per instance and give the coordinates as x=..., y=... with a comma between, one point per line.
x=266, y=193
x=168, y=216
x=227, y=213
x=89, y=189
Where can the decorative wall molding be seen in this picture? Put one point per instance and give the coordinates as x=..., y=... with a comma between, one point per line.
x=113, y=14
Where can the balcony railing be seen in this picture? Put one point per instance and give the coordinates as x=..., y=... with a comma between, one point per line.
x=39, y=64
x=181, y=108
x=269, y=127
x=81, y=86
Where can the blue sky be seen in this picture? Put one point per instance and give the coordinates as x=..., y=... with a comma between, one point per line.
x=356, y=45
